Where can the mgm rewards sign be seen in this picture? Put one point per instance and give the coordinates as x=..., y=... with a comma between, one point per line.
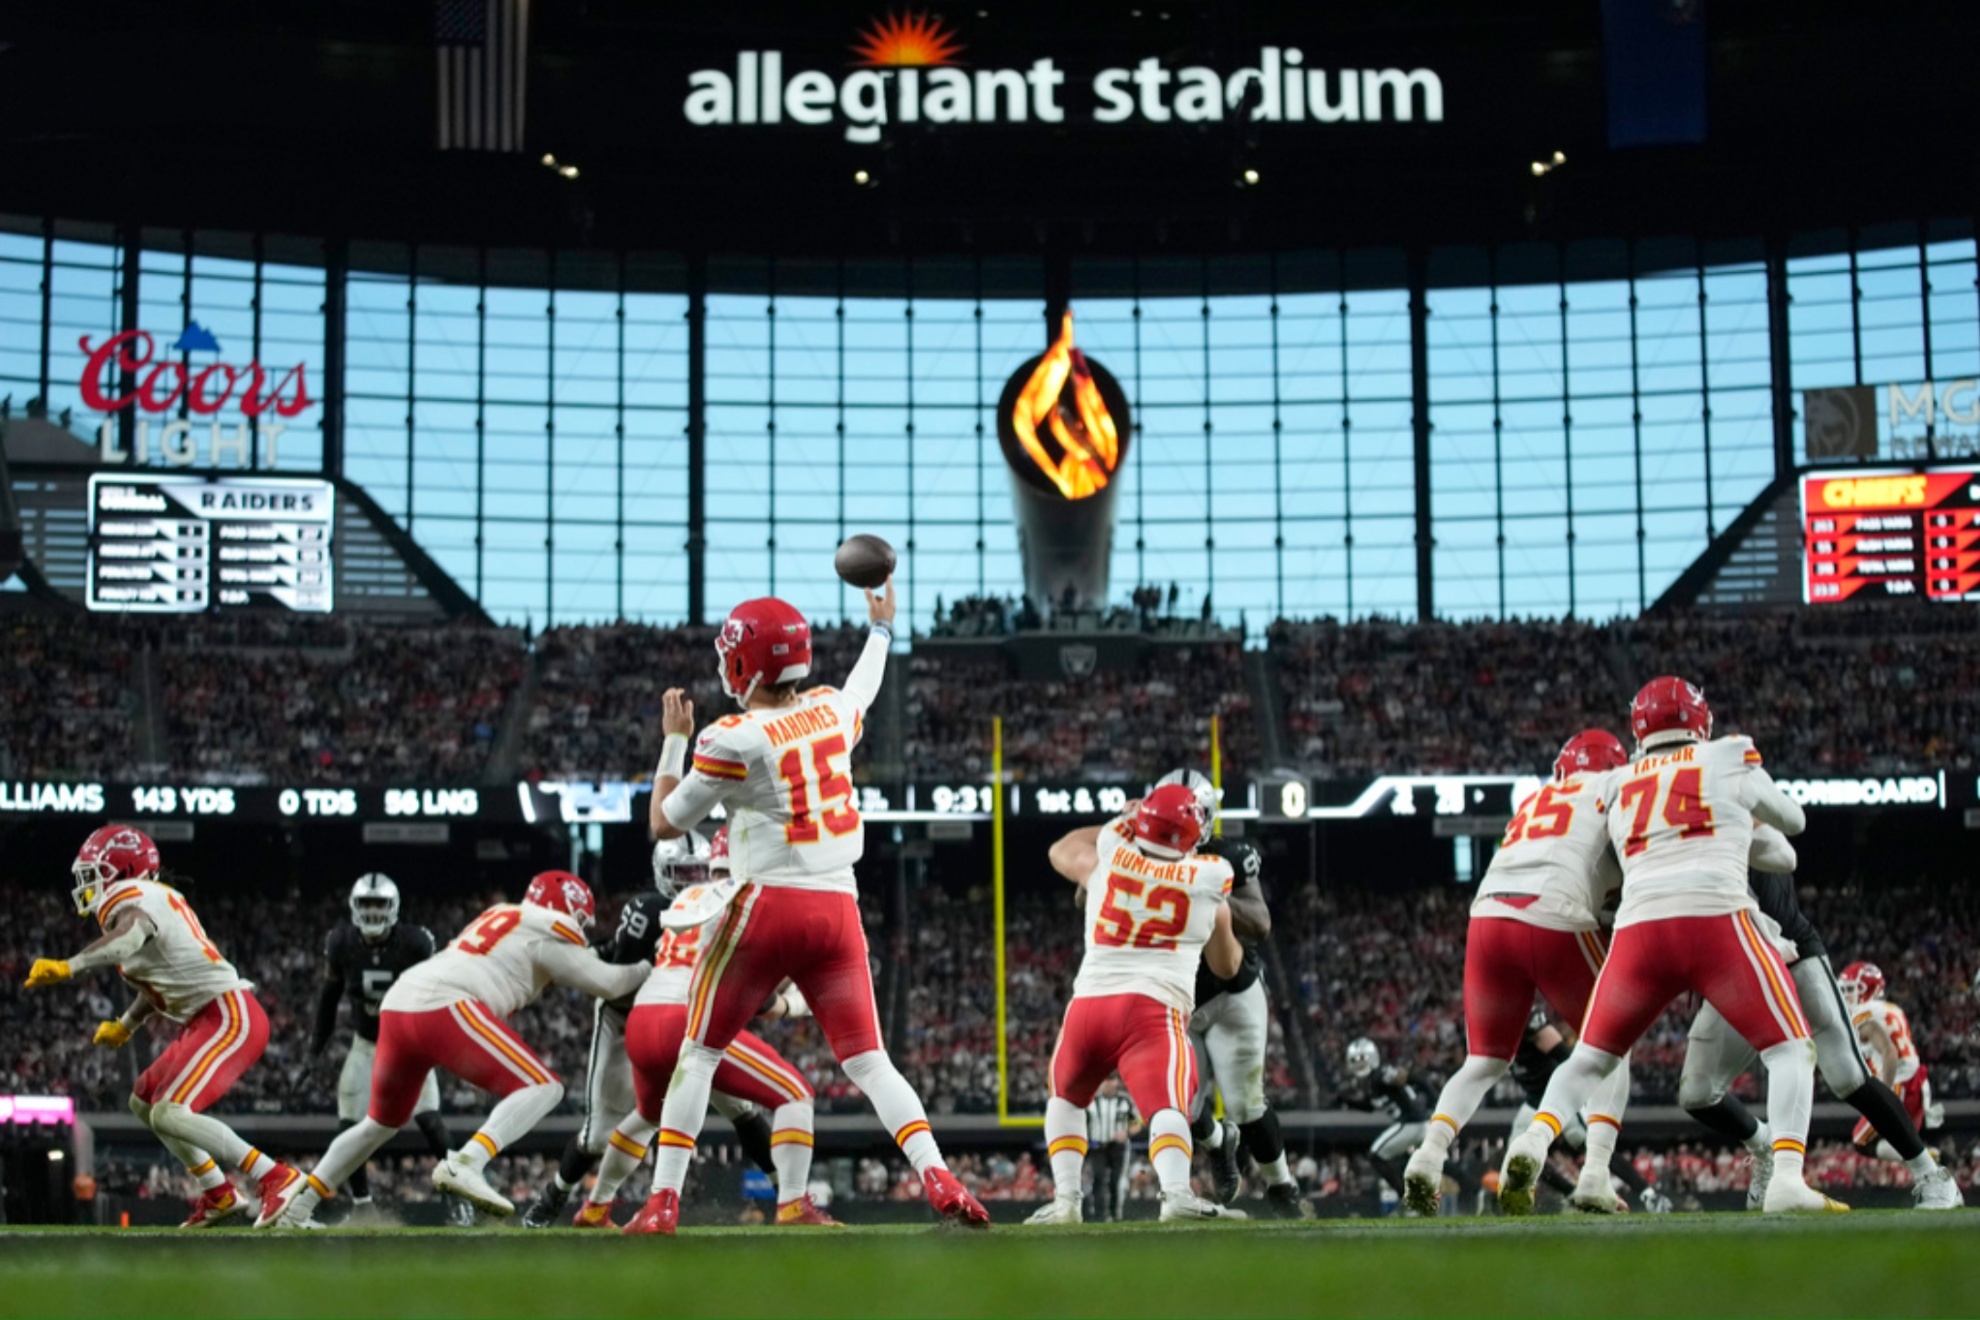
x=909, y=69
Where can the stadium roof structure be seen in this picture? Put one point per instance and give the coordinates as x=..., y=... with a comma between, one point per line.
x=1123, y=128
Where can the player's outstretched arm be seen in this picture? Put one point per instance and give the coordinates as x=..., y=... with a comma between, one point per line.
x=1770, y=805
x=124, y=937
x=1224, y=954
x=1075, y=855
x=863, y=684
x=677, y=726
x=1251, y=920
x=329, y=990
x=583, y=969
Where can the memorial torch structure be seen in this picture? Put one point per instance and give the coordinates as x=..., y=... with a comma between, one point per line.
x=1062, y=421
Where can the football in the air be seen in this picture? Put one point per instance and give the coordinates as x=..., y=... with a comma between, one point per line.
x=864, y=561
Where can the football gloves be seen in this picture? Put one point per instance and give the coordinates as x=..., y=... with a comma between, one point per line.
x=47, y=971
x=114, y=1035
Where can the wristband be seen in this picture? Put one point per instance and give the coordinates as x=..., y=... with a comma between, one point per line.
x=673, y=758
x=882, y=626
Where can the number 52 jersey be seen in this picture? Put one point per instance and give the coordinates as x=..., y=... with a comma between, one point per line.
x=1147, y=921
x=1681, y=819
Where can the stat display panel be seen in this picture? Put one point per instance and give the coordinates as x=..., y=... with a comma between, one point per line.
x=188, y=544
x=1871, y=532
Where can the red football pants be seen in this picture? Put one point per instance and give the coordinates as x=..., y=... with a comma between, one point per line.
x=750, y=1069
x=221, y=1042
x=770, y=934
x=1724, y=958
x=1143, y=1039
x=465, y=1039
x=1505, y=961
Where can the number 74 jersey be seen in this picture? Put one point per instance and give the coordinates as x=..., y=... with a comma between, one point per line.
x=1681, y=819
x=1147, y=921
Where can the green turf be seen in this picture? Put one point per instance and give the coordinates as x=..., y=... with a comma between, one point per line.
x=1891, y=1263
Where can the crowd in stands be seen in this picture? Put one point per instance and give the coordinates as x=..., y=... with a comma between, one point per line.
x=71, y=698
x=1115, y=726
x=1147, y=609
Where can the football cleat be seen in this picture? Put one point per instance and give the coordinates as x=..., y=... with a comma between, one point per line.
x=1524, y=1159
x=951, y=1200
x=660, y=1214
x=215, y=1205
x=1785, y=1195
x=1423, y=1182
x=1225, y=1175
x=1756, y=1185
x=453, y=1176
x=1936, y=1191
x=278, y=1187
x=1058, y=1210
x=592, y=1214
x=804, y=1213
x=549, y=1204
x=1596, y=1196
x=1283, y=1201
x=1187, y=1205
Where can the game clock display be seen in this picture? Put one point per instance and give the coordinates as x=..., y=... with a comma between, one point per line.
x=1879, y=532
x=187, y=544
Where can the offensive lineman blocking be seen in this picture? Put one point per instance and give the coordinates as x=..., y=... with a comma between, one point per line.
x=779, y=767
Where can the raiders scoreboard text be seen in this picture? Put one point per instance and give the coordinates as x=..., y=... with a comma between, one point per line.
x=188, y=544
x=1878, y=532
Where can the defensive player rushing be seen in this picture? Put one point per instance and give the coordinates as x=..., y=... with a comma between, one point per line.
x=152, y=938
x=1228, y=1031
x=1535, y=926
x=1885, y=1033
x=1715, y=1054
x=1381, y=1090
x=362, y=957
x=1154, y=906
x=451, y=1012
x=752, y=1075
x=780, y=767
x=609, y=1090
x=1681, y=817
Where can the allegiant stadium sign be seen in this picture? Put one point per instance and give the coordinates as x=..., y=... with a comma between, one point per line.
x=908, y=72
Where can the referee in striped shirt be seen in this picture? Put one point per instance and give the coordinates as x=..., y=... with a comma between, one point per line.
x=1110, y=1120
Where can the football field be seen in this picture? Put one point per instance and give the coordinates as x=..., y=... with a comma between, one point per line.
x=1875, y=1263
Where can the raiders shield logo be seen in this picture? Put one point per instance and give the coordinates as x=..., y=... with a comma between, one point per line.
x=1078, y=661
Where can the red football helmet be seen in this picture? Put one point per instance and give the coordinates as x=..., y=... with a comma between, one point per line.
x=1862, y=982
x=718, y=853
x=763, y=641
x=1669, y=704
x=560, y=891
x=113, y=853
x=1590, y=750
x=1169, y=822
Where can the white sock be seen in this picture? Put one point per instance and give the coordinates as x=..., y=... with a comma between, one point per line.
x=353, y=1146
x=1761, y=1142
x=624, y=1149
x=1922, y=1165
x=1790, y=1091
x=198, y=1130
x=1278, y=1173
x=1460, y=1099
x=1065, y=1145
x=1169, y=1150
x=1571, y=1085
x=898, y=1106
x=790, y=1149
x=207, y=1173
x=1886, y=1151
x=683, y=1114
x=1602, y=1136
x=510, y=1121
x=1215, y=1141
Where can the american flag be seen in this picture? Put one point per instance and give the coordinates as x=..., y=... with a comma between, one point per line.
x=484, y=70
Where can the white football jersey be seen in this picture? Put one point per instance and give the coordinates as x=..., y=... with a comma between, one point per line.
x=1555, y=867
x=673, y=964
x=1147, y=921
x=1877, y=1022
x=1681, y=819
x=500, y=960
x=179, y=970
x=784, y=775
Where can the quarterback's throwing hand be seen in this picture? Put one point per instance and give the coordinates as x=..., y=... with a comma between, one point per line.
x=677, y=713
x=880, y=604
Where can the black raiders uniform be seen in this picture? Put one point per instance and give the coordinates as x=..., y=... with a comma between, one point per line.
x=362, y=972
x=634, y=939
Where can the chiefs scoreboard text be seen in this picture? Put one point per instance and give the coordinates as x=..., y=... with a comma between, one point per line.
x=185, y=544
x=1884, y=533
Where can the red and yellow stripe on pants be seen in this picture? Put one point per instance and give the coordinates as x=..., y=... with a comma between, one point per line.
x=222, y=1041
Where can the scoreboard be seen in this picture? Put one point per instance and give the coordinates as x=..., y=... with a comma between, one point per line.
x=1878, y=532
x=185, y=544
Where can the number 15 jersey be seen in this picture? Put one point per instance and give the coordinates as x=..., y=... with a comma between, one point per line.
x=1681, y=819
x=784, y=775
x=1147, y=921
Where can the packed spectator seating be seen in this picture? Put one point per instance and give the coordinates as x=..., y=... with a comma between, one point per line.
x=72, y=696
x=1114, y=726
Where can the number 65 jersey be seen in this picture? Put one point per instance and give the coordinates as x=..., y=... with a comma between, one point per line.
x=1554, y=868
x=1681, y=819
x=1147, y=921
x=784, y=775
